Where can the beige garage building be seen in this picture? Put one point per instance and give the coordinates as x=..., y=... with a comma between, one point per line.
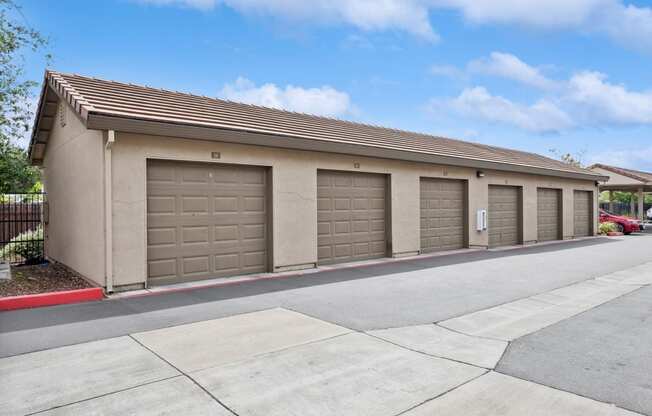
x=147, y=186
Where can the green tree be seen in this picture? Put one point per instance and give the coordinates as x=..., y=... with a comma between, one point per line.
x=624, y=197
x=16, y=173
x=573, y=160
x=16, y=38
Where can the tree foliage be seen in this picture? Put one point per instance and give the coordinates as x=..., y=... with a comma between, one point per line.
x=16, y=38
x=16, y=173
x=573, y=160
x=624, y=197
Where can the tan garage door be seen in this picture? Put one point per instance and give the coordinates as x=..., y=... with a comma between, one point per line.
x=443, y=208
x=583, y=213
x=205, y=220
x=350, y=216
x=504, y=217
x=548, y=214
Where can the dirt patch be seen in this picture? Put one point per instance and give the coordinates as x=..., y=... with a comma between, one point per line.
x=49, y=277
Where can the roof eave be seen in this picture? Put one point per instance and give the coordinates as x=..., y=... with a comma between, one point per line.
x=37, y=119
x=53, y=82
x=101, y=121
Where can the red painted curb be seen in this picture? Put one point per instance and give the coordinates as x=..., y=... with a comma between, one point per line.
x=52, y=298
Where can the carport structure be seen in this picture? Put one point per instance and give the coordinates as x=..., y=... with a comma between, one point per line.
x=625, y=180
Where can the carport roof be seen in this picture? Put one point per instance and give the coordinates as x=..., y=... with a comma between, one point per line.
x=644, y=177
x=624, y=179
x=125, y=107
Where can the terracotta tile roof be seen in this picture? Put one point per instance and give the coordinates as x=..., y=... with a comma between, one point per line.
x=115, y=99
x=645, y=177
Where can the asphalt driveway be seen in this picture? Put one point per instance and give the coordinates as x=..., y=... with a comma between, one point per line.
x=375, y=297
x=604, y=353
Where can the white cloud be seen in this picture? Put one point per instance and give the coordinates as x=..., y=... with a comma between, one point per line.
x=601, y=102
x=541, y=117
x=586, y=99
x=509, y=66
x=544, y=14
x=640, y=159
x=324, y=101
x=627, y=24
x=406, y=15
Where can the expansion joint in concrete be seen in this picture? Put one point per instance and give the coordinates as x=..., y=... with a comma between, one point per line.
x=103, y=395
x=443, y=393
x=186, y=375
x=424, y=353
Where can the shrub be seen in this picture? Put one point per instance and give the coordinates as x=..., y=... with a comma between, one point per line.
x=23, y=245
x=607, y=227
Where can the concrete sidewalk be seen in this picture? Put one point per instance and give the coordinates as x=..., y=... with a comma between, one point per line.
x=276, y=362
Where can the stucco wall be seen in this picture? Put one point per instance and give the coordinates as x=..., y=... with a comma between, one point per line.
x=73, y=180
x=294, y=196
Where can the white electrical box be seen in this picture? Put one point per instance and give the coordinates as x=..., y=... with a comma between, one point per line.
x=481, y=220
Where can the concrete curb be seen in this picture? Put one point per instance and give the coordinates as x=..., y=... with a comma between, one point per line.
x=51, y=298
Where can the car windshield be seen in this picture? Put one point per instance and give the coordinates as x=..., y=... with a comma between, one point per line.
x=605, y=212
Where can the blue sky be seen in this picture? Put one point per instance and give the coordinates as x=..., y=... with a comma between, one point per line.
x=573, y=75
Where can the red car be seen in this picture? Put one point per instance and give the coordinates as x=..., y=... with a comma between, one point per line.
x=623, y=224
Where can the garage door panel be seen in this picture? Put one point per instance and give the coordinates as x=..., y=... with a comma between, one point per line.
x=342, y=204
x=367, y=215
x=323, y=228
x=205, y=220
x=253, y=232
x=195, y=265
x=227, y=263
x=323, y=204
x=341, y=227
x=226, y=232
x=343, y=250
x=249, y=177
x=196, y=174
x=583, y=213
x=504, y=214
x=548, y=214
x=378, y=225
x=162, y=268
x=253, y=205
x=194, y=205
x=360, y=203
x=197, y=234
x=350, y=216
x=361, y=226
x=161, y=205
x=324, y=252
x=443, y=208
x=225, y=204
x=158, y=236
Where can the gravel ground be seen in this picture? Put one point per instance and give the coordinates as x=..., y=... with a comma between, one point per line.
x=49, y=277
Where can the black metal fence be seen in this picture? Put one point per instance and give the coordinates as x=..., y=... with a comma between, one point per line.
x=624, y=208
x=22, y=217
